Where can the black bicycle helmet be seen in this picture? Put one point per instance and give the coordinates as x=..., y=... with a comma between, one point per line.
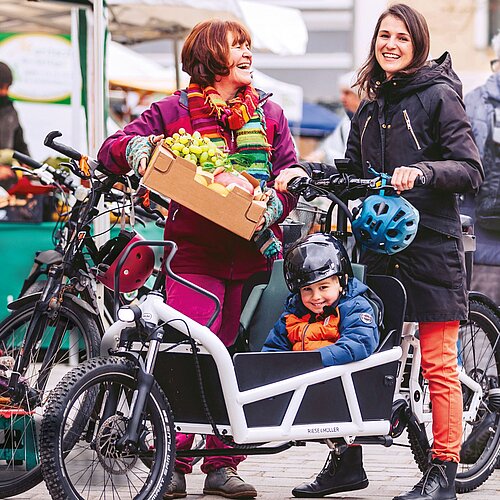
x=315, y=258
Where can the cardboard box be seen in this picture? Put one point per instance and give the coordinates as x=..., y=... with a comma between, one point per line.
x=171, y=176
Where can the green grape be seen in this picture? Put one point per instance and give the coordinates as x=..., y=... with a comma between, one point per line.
x=185, y=151
x=196, y=134
x=203, y=157
x=182, y=131
x=177, y=146
x=195, y=149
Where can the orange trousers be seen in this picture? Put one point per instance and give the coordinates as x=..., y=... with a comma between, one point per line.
x=438, y=343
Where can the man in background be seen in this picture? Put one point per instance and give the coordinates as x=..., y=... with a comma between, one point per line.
x=11, y=132
x=333, y=146
x=480, y=105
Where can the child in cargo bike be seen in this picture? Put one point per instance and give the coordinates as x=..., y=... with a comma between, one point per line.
x=328, y=309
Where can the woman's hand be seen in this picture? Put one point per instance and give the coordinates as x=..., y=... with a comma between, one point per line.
x=144, y=161
x=273, y=211
x=403, y=178
x=286, y=175
x=139, y=151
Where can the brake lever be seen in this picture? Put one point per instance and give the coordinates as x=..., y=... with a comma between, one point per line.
x=24, y=170
x=298, y=184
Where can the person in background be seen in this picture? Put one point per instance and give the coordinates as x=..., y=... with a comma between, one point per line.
x=11, y=132
x=413, y=124
x=480, y=106
x=221, y=103
x=333, y=146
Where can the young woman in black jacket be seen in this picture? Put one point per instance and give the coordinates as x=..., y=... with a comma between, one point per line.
x=412, y=124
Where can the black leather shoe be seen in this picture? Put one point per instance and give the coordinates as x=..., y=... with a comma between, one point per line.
x=340, y=473
x=438, y=483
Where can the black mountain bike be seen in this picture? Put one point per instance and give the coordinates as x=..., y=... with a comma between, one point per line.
x=56, y=322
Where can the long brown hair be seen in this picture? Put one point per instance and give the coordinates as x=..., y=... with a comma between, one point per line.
x=371, y=72
x=205, y=54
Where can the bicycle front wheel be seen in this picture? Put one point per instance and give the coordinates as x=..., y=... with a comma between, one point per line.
x=479, y=358
x=80, y=442
x=78, y=339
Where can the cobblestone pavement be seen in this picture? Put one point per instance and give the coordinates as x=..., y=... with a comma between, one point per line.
x=390, y=471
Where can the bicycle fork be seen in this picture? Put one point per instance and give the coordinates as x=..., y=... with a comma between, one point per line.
x=38, y=321
x=145, y=379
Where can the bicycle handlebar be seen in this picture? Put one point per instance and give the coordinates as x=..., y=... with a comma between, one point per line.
x=61, y=148
x=46, y=173
x=341, y=183
x=26, y=160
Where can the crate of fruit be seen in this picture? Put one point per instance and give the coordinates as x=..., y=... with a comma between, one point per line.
x=216, y=190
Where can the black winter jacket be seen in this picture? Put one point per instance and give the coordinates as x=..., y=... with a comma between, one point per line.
x=419, y=120
x=11, y=133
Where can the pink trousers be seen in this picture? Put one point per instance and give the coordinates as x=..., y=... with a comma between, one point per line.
x=200, y=308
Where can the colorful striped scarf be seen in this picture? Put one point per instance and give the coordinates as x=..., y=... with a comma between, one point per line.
x=210, y=114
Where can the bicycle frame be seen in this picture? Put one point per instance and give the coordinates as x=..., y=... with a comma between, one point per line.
x=413, y=392
x=154, y=309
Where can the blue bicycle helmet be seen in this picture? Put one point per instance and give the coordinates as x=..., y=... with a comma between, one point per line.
x=386, y=224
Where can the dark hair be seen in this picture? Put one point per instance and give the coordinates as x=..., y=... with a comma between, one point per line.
x=371, y=72
x=5, y=75
x=205, y=54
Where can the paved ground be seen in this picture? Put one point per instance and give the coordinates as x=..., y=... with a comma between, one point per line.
x=390, y=471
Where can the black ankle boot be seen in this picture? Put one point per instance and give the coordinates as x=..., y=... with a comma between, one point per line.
x=438, y=483
x=340, y=473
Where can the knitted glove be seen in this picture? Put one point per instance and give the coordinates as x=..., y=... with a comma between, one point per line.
x=274, y=209
x=139, y=147
x=267, y=243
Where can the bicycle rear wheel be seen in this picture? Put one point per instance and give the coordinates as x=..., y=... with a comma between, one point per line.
x=79, y=340
x=479, y=357
x=82, y=457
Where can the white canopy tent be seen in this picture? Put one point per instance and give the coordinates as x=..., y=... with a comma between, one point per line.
x=130, y=21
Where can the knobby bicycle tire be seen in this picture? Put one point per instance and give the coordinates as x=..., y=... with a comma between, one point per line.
x=19, y=453
x=75, y=467
x=479, y=355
